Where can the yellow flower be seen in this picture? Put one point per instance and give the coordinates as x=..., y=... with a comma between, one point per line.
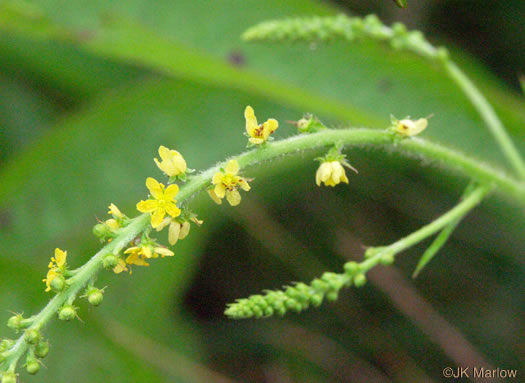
x=162, y=204
x=409, y=127
x=258, y=133
x=172, y=162
x=56, y=267
x=139, y=254
x=332, y=173
x=226, y=183
x=114, y=211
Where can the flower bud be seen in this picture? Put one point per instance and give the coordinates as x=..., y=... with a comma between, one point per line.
x=95, y=296
x=359, y=280
x=32, y=365
x=100, y=230
x=67, y=312
x=387, y=259
x=32, y=336
x=6, y=344
x=16, y=322
x=58, y=283
x=351, y=268
x=110, y=261
x=9, y=377
x=42, y=348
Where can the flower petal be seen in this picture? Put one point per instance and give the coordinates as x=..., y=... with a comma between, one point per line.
x=233, y=197
x=219, y=190
x=155, y=188
x=173, y=233
x=170, y=192
x=157, y=217
x=164, y=252
x=164, y=152
x=232, y=167
x=172, y=210
x=251, y=120
x=147, y=206
x=214, y=197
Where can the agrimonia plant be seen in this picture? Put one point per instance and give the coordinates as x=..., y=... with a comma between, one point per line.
x=130, y=242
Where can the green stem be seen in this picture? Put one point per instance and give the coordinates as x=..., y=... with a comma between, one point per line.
x=488, y=115
x=423, y=149
x=300, y=296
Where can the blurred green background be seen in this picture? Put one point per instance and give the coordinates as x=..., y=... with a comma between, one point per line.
x=89, y=90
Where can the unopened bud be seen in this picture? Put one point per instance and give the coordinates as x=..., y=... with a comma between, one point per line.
x=95, y=296
x=42, y=348
x=32, y=336
x=110, y=261
x=16, y=322
x=32, y=365
x=58, y=283
x=67, y=312
x=359, y=280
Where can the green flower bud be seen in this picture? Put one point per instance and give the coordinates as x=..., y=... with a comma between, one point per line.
x=32, y=365
x=332, y=295
x=100, y=230
x=316, y=299
x=9, y=377
x=387, y=259
x=359, y=280
x=6, y=344
x=95, y=296
x=110, y=261
x=32, y=336
x=351, y=268
x=67, y=312
x=17, y=322
x=58, y=283
x=42, y=348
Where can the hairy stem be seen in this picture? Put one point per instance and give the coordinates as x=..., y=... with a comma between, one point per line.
x=488, y=115
x=420, y=148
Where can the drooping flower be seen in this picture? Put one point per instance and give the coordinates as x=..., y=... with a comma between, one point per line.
x=226, y=182
x=163, y=202
x=258, y=134
x=177, y=229
x=331, y=171
x=57, y=266
x=172, y=163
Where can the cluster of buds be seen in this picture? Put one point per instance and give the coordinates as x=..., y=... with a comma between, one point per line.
x=38, y=347
x=110, y=228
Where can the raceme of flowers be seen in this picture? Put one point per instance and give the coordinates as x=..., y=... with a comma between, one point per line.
x=164, y=212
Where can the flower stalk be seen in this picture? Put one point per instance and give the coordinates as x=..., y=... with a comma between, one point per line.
x=414, y=146
x=301, y=296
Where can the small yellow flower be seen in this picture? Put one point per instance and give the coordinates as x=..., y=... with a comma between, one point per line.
x=56, y=267
x=258, y=134
x=139, y=254
x=226, y=183
x=162, y=204
x=332, y=173
x=114, y=211
x=172, y=163
x=408, y=127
